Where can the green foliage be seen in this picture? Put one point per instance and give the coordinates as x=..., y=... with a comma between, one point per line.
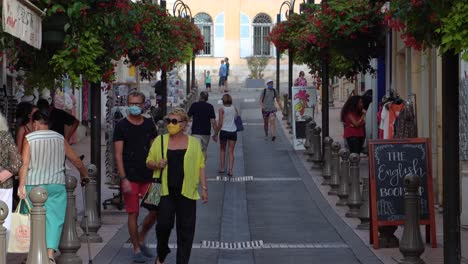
x=454, y=30
x=79, y=57
x=256, y=66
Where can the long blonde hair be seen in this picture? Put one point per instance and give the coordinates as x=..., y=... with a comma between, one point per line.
x=3, y=123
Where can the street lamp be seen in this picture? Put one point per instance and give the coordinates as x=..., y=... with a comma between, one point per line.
x=183, y=10
x=290, y=10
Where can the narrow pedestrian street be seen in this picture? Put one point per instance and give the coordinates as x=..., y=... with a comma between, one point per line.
x=269, y=212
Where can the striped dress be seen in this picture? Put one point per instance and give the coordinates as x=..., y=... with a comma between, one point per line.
x=47, y=164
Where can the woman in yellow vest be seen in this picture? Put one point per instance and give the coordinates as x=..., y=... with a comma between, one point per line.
x=183, y=170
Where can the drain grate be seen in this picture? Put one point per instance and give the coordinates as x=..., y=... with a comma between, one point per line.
x=253, y=245
x=251, y=178
x=257, y=244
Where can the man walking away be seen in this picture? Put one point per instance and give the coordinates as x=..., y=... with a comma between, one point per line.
x=222, y=76
x=132, y=140
x=267, y=104
x=60, y=121
x=203, y=118
x=227, y=74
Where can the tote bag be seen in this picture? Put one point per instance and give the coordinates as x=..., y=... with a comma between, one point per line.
x=238, y=122
x=153, y=194
x=20, y=231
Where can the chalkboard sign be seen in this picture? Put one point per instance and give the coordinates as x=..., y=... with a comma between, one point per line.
x=389, y=162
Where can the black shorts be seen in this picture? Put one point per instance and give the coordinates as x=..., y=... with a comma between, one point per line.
x=222, y=79
x=226, y=77
x=208, y=85
x=226, y=135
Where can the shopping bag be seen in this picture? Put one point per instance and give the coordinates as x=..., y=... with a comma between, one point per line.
x=20, y=230
x=239, y=123
x=152, y=196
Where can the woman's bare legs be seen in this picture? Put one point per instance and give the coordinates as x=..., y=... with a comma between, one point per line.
x=222, y=154
x=231, y=145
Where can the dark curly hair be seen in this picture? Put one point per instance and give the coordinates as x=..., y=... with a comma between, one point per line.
x=351, y=106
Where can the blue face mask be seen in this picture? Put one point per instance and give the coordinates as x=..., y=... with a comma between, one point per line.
x=134, y=110
x=270, y=86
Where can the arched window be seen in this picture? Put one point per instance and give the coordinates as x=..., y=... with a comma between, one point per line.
x=261, y=27
x=205, y=23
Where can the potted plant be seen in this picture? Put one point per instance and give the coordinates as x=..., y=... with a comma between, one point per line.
x=256, y=66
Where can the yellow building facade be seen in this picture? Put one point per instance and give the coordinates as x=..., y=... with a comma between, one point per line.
x=236, y=30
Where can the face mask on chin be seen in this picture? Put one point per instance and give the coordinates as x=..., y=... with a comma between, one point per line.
x=134, y=110
x=173, y=129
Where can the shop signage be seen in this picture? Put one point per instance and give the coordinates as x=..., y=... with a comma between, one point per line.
x=22, y=22
x=389, y=162
x=303, y=104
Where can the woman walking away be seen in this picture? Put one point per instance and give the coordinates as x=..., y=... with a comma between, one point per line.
x=353, y=117
x=10, y=163
x=43, y=155
x=182, y=162
x=227, y=133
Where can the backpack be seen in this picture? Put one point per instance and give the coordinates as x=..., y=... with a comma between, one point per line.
x=264, y=92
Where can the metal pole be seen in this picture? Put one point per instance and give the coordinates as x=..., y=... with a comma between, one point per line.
x=325, y=114
x=278, y=20
x=164, y=93
x=193, y=71
x=290, y=60
x=96, y=138
x=187, y=81
x=450, y=159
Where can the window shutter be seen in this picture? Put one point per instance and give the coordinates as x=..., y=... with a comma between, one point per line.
x=219, y=39
x=245, y=44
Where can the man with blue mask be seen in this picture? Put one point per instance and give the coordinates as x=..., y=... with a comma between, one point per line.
x=267, y=104
x=133, y=136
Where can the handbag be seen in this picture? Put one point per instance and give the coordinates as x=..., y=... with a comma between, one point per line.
x=152, y=196
x=238, y=122
x=20, y=230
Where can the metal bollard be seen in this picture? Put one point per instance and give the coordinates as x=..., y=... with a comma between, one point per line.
x=3, y=232
x=308, y=133
x=285, y=106
x=364, y=209
x=37, y=249
x=411, y=245
x=94, y=223
x=317, y=148
x=343, y=192
x=70, y=242
x=290, y=115
x=326, y=171
x=354, y=198
x=335, y=168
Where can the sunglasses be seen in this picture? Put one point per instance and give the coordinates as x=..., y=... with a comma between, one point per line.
x=173, y=121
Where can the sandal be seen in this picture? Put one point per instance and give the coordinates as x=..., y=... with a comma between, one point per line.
x=51, y=260
x=221, y=171
x=230, y=174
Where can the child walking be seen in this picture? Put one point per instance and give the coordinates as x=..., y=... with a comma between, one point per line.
x=208, y=81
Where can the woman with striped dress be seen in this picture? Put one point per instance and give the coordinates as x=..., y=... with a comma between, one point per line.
x=43, y=156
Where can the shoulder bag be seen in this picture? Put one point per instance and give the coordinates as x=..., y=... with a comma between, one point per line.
x=238, y=122
x=152, y=196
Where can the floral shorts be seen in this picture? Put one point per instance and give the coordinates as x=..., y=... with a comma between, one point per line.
x=269, y=114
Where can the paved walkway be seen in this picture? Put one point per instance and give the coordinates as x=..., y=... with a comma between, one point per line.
x=275, y=210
